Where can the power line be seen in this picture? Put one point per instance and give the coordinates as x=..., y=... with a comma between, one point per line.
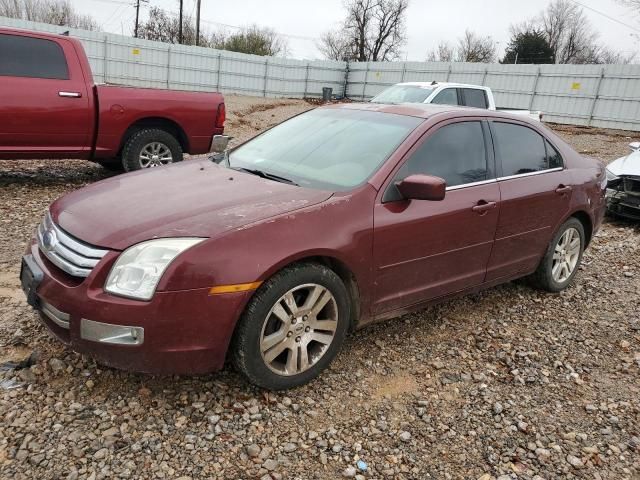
x=613, y=19
x=117, y=12
x=220, y=24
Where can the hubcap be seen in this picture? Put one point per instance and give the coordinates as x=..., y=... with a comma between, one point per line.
x=299, y=329
x=155, y=154
x=565, y=255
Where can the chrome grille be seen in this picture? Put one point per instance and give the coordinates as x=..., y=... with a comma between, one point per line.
x=64, y=251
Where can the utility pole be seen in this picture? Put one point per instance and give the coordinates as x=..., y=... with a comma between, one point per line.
x=135, y=32
x=138, y=2
x=197, y=23
x=180, y=26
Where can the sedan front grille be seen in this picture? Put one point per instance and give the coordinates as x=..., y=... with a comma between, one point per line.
x=70, y=255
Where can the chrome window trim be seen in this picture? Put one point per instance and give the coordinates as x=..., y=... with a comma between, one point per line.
x=531, y=174
x=472, y=184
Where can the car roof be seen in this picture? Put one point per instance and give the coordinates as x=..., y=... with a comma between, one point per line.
x=22, y=31
x=440, y=84
x=428, y=110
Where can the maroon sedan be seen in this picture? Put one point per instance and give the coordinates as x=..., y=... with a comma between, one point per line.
x=331, y=220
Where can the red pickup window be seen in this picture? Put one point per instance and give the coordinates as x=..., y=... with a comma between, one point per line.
x=32, y=57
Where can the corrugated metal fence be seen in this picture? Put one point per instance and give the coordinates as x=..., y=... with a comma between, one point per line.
x=598, y=95
x=131, y=61
x=603, y=96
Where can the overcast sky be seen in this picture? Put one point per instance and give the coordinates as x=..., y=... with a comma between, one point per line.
x=428, y=21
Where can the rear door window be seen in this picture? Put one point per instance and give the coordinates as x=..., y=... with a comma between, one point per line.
x=32, y=57
x=448, y=96
x=521, y=149
x=474, y=97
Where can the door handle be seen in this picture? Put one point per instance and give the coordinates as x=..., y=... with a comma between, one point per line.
x=483, y=207
x=562, y=189
x=70, y=94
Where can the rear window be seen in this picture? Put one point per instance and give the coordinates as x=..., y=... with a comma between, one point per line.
x=31, y=57
x=403, y=94
x=474, y=97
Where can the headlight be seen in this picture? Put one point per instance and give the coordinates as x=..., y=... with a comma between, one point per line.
x=611, y=177
x=138, y=270
x=613, y=181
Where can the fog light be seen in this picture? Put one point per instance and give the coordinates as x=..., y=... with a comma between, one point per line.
x=109, y=333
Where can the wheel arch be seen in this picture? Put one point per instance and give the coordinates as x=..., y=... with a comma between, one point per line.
x=162, y=123
x=585, y=219
x=339, y=267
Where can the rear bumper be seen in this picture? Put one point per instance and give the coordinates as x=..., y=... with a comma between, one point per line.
x=180, y=332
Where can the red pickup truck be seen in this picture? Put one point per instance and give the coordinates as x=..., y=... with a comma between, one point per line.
x=51, y=108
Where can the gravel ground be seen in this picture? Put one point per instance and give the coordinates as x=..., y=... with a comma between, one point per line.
x=511, y=383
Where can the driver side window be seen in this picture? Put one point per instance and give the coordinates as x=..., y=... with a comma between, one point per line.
x=455, y=152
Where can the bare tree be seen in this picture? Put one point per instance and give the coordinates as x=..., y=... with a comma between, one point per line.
x=633, y=4
x=374, y=30
x=474, y=48
x=444, y=53
x=163, y=27
x=336, y=45
x=609, y=56
x=55, y=12
x=568, y=32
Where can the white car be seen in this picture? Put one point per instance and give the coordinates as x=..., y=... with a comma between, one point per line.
x=623, y=184
x=447, y=94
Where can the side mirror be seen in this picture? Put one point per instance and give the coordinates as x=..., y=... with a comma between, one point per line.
x=422, y=187
x=635, y=146
x=219, y=143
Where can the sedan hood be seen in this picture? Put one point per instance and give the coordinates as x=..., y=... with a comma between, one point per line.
x=191, y=199
x=629, y=165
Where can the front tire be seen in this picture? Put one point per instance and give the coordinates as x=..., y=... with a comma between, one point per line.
x=151, y=147
x=562, y=258
x=292, y=328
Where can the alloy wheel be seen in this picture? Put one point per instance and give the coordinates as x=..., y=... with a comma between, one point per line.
x=155, y=154
x=299, y=329
x=566, y=255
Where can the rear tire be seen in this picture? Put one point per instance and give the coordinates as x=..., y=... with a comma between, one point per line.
x=562, y=258
x=151, y=147
x=292, y=328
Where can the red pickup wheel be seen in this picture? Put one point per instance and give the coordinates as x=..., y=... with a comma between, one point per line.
x=149, y=148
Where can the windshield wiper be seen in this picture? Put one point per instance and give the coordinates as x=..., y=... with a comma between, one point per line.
x=268, y=176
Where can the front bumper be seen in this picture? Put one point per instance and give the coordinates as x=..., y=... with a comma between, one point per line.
x=623, y=204
x=179, y=332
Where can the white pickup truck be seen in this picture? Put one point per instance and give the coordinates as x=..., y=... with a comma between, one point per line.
x=446, y=94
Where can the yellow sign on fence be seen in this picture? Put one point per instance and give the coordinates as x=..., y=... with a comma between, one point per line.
x=136, y=51
x=576, y=86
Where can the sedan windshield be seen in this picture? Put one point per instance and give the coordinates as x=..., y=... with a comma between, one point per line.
x=403, y=94
x=329, y=149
